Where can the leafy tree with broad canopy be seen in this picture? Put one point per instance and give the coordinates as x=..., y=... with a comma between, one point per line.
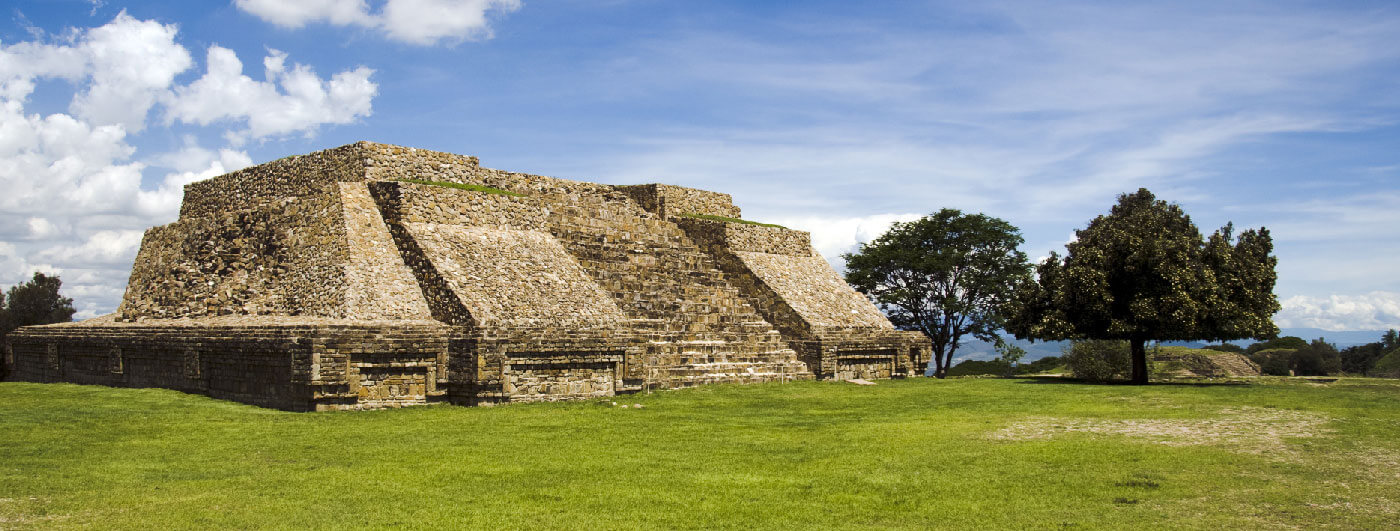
x=948, y=275
x=1144, y=273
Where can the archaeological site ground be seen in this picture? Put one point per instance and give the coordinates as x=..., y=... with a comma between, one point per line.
x=372, y=275
x=914, y=453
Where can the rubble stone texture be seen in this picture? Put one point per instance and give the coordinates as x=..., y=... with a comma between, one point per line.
x=325, y=281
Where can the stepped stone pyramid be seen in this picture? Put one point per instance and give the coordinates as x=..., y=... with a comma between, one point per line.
x=333, y=281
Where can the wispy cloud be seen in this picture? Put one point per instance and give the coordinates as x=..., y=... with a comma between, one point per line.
x=1041, y=116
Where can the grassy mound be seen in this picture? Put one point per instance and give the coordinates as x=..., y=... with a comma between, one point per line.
x=731, y=220
x=1190, y=362
x=971, y=453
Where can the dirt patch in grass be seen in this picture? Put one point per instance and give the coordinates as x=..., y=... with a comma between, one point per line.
x=1377, y=464
x=13, y=512
x=1250, y=429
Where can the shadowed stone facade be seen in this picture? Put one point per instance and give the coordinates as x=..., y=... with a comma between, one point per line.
x=322, y=281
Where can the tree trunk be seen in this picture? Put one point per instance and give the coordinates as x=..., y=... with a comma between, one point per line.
x=935, y=362
x=1139, y=362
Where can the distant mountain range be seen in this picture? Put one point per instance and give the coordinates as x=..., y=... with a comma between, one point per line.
x=978, y=350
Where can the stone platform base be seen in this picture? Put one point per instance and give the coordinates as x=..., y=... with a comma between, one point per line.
x=317, y=364
x=287, y=363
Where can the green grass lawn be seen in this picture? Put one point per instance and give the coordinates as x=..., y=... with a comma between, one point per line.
x=911, y=453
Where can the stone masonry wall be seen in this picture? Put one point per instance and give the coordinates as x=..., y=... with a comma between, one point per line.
x=812, y=288
x=787, y=270
x=378, y=284
x=281, y=258
x=385, y=162
x=737, y=237
x=260, y=185
x=297, y=364
x=669, y=201
x=514, y=278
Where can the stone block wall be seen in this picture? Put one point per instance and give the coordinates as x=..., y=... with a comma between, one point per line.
x=668, y=201
x=296, y=364
x=495, y=366
x=280, y=258
x=259, y=186
x=378, y=283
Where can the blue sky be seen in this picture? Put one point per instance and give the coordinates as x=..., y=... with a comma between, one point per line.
x=834, y=117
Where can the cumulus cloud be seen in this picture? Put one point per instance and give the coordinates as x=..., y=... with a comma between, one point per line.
x=73, y=181
x=1376, y=310
x=420, y=22
x=131, y=63
x=290, y=100
x=100, y=248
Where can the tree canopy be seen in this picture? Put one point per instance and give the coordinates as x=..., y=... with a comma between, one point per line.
x=1143, y=273
x=948, y=275
x=37, y=302
x=1362, y=359
x=33, y=303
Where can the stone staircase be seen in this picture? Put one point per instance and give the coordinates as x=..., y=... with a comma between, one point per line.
x=698, y=327
x=1235, y=364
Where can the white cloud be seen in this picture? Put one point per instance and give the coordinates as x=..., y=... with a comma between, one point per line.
x=1376, y=310
x=420, y=22
x=131, y=64
x=123, y=67
x=299, y=13
x=426, y=22
x=288, y=101
x=59, y=165
x=73, y=200
x=101, y=248
x=40, y=228
x=834, y=236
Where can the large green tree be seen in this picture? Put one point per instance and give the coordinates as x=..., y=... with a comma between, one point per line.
x=948, y=275
x=1144, y=273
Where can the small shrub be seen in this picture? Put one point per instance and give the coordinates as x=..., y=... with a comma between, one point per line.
x=1041, y=365
x=979, y=368
x=1274, y=362
x=1286, y=342
x=1388, y=366
x=1099, y=360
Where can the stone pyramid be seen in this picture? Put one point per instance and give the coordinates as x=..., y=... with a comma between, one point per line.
x=373, y=275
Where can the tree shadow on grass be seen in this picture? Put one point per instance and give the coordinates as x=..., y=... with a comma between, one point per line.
x=1064, y=380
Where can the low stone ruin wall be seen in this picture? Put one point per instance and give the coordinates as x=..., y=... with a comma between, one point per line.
x=292, y=364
